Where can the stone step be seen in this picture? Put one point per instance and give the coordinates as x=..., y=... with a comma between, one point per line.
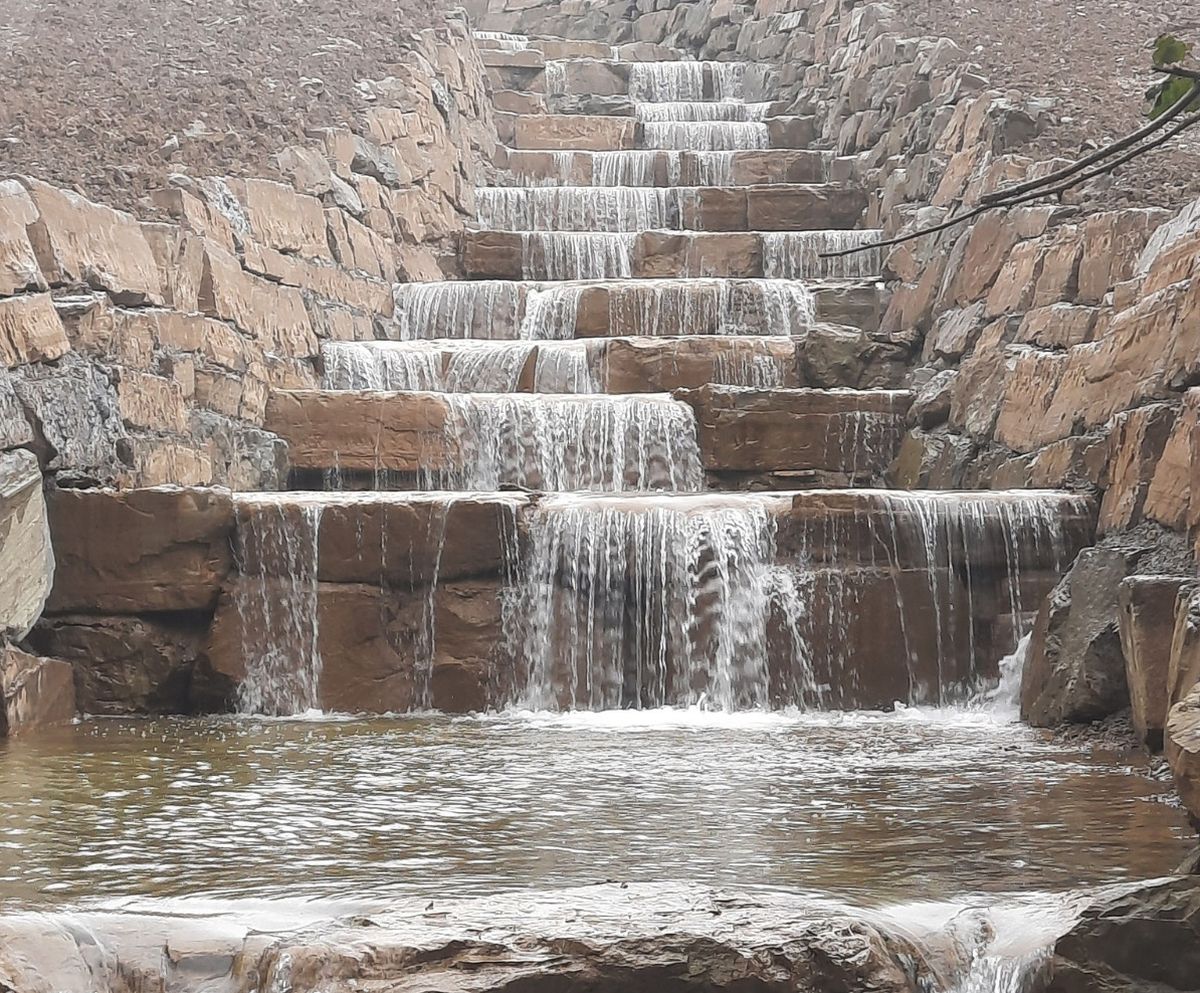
x=600, y=132
x=528, y=101
x=406, y=598
x=750, y=167
x=713, y=437
x=825, y=356
x=667, y=254
x=508, y=309
x=784, y=207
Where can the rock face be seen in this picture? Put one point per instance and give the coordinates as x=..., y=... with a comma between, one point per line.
x=1076, y=670
x=26, y=556
x=616, y=939
x=1141, y=940
x=140, y=551
x=34, y=692
x=1147, y=625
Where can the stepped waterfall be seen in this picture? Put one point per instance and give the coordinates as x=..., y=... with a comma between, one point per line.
x=596, y=641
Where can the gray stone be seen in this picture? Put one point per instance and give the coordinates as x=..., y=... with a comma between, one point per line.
x=1075, y=671
x=26, y=555
x=931, y=405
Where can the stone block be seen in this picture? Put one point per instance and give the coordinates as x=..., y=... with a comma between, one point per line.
x=1137, y=442
x=26, y=556
x=1075, y=670
x=77, y=241
x=1147, y=625
x=19, y=269
x=646, y=365
x=283, y=219
x=30, y=330
x=34, y=692
x=804, y=208
x=140, y=551
x=575, y=131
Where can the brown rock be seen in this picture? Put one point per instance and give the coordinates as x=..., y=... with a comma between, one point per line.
x=1060, y=325
x=26, y=557
x=30, y=330
x=647, y=365
x=804, y=208
x=492, y=255
x=1136, y=447
x=1111, y=244
x=77, y=241
x=1075, y=670
x=361, y=429
x=1147, y=624
x=19, y=270
x=575, y=131
x=139, y=550
x=1168, y=500
x=34, y=692
x=1028, y=393
x=134, y=665
x=765, y=430
x=283, y=219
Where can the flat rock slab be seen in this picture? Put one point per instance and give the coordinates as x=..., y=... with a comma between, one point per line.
x=614, y=937
x=26, y=556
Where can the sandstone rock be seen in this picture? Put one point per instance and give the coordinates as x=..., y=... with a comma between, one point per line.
x=283, y=219
x=927, y=460
x=139, y=551
x=34, y=692
x=26, y=556
x=1111, y=243
x=931, y=404
x=1169, y=496
x=764, y=430
x=1182, y=740
x=1060, y=325
x=1132, y=939
x=833, y=356
x=619, y=938
x=134, y=665
x=575, y=131
x=1137, y=442
x=361, y=429
x=30, y=330
x=1075, y=671
x=19, y=270
x=77, y=241
x=1147, y=625
x=798, y=208
x=648, y=365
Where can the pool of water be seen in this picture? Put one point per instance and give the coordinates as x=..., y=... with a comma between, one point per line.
x=872, y=809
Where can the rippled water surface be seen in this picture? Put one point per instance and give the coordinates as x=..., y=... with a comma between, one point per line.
x=871, y=808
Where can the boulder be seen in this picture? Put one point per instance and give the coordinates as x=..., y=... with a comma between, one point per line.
x=26, y=555
x=34, y=692
x=1147, y=626
x=654, y=365
x=1075, y=670
x=614, y=937
x=30, y=330
x=1144, y=939
x=140, y=551
x=19, y=270
x=575, y=131
x=134, y=665
x=931, y=404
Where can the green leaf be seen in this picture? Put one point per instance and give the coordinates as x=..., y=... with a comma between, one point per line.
x=1168, y=50
x=1170, y=94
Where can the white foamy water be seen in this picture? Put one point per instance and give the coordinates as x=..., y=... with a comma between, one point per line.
x=662, y=82
x=727, y=110
x=574, y=255
x=797, y=254
x=578, y=208
x=714, y=136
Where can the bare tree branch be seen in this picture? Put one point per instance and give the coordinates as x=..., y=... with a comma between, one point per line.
x=1132, y=138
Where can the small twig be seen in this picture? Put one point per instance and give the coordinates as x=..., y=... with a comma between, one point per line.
x=1180, y=71
x=1132, y=138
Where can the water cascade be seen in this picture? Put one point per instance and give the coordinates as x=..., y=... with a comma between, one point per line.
x=456, y=366
x=633, y=167
x=574, y=255
x=686, y=81
x=503, y=41
x=713, y=306
x=578, y=208
x=644, y=603
x=700, y=111
x=276, y=553
x=797, y=255
x=711, y=136
x=561, y=442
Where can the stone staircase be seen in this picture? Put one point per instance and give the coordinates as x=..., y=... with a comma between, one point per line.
x=689, y=407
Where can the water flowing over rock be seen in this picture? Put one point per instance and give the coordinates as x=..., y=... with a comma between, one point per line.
x=571, y=208
x=712, y=136
x=797, y=255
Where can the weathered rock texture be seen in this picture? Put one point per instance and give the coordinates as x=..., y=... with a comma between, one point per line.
x=26, y=556
x=139, y=353
x=616, y=938
x=34, y=692
x=1138, y=940
x=1148, y=606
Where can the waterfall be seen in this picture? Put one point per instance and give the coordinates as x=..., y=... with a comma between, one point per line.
x=455, y=309
x=719, y=136
x=562, y=442
x=458, y=366
x=502, y=41
x=796, y=254
x=551, y=313
x=712, y=168
x=573, y=255
x=554, y=77
x=698, y=111
x=276, y=551
x=712, y=306
x=578, y=208
x=662, y=82
x=645, y=602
